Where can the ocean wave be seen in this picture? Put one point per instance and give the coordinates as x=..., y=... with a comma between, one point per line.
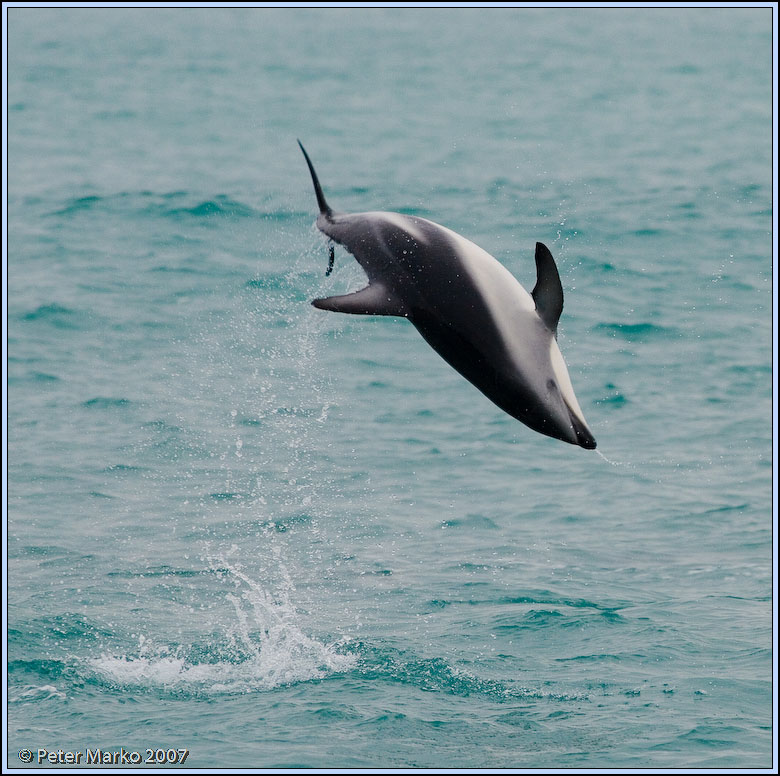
x=34, y=693
x=437, y=674
x=56, y=315
x=174, y=204
x=106, y=402
x=637, y=332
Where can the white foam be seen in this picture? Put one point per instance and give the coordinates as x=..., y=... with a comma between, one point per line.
x=36, y=693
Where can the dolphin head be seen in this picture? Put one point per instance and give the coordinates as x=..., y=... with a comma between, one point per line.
x=567, y=419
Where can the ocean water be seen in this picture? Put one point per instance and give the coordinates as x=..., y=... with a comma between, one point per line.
x=278, y=537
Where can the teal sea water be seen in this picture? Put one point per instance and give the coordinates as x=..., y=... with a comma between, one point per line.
x=280, y=537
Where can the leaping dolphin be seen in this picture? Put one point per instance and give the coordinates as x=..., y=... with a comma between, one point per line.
x=469, y=308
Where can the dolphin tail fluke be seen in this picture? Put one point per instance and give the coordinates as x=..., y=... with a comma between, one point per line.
x=322, y=204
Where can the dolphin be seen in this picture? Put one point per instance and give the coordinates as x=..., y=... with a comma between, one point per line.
x=468, y=307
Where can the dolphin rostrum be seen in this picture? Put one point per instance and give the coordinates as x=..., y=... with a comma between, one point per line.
x=469, y=308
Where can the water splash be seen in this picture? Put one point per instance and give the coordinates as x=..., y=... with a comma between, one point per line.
x=282, y=653
x=263, y=646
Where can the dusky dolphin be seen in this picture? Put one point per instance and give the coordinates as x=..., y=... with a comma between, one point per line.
x=469, y=308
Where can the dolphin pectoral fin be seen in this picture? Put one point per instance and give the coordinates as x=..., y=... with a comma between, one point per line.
x=374, y=299
x=548, y=292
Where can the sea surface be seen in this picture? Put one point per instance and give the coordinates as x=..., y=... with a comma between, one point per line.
x=279, y=537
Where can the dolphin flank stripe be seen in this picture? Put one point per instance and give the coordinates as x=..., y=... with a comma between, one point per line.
x=467, y=306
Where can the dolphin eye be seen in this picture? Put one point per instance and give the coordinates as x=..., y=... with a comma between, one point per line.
x=551, y=385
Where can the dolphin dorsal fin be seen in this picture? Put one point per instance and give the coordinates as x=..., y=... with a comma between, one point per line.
x=548, y=292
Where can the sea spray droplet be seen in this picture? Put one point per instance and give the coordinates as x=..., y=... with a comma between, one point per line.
x=611, y=462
